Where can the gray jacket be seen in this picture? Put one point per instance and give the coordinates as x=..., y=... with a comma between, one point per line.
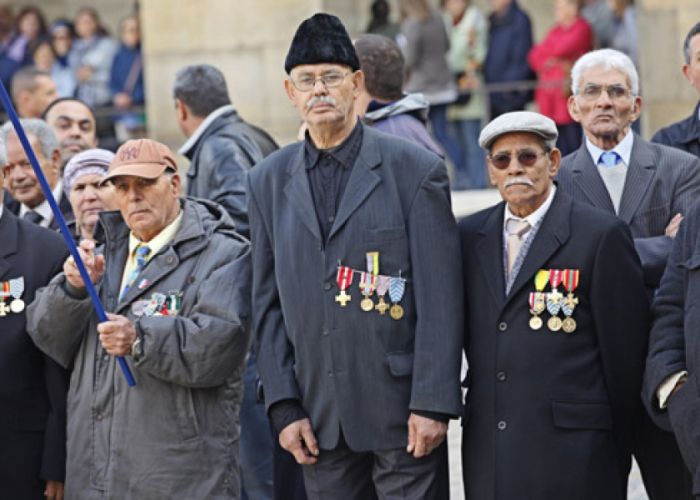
x=175, y=434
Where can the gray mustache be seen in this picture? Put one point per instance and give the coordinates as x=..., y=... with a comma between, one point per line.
x=320, y=99
x=518, y=180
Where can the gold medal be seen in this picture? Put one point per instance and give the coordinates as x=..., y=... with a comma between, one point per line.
x=554, y=323
x=381, y=306
x=568, y=325
x=535, y=322
x=367, y=304
x=396, y=312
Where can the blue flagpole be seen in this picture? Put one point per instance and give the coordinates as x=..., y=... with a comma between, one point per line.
x=96, y=303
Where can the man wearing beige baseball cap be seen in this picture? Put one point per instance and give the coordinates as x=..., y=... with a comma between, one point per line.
x=557, y=319
x=176, y=277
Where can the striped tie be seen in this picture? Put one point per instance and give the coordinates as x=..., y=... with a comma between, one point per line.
x=141, y=253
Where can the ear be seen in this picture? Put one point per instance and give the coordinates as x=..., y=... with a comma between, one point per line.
x=574, y=110
x=490, y=170
x=181, y=110
x=175, y=183
x=290, y=90
x=56, y=159
x=358, y=80
x=636, y=109
x=686, y=73
x=554, y=162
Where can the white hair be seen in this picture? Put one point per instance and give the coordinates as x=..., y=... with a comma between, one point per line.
x=608, y=59
x=35, y=127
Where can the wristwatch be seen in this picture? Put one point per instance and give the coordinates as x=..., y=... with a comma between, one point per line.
x=137, y=348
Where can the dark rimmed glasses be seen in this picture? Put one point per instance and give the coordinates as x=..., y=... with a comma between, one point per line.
x=526, y=157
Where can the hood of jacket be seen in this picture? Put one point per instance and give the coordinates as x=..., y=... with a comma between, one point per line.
x=415, y=104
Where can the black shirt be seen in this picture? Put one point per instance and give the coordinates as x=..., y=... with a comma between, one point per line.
x=328, y=171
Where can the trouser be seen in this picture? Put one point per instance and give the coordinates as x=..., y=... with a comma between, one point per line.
x=342, y=474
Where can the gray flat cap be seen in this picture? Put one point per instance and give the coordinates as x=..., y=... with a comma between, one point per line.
x=519, y=121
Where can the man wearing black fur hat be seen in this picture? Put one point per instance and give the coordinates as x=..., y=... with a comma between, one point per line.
x=357, y=289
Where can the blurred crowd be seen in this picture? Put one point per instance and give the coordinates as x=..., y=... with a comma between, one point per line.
x=41, y=61
x=472, y=66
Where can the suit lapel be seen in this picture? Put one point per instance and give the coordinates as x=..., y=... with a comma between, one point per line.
x=553, y=232
x=588, y=179
x=9, y=234
x=489, y=250
x=361, y=183
x=640, y=173
x=298, y=193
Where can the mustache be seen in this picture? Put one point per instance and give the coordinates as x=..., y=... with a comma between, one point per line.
x=320, y=99
x=518, y=180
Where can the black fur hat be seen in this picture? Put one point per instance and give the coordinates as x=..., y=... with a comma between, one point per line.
x=321, y=38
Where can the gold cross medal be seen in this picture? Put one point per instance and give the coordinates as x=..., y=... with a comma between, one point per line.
x=344, y=279
x=368, y=283
x=554, y=299
x=382, y=288
x=4, y=293
x=570, y=280
x=397, y=287
x=16, y=290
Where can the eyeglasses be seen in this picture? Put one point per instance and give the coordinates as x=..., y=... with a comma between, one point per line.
x=329, y=80
x=526, y=158
x=592, y=92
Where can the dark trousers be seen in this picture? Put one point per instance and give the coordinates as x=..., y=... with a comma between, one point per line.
x=20, y=464
x=342, y=474
x=664, y=473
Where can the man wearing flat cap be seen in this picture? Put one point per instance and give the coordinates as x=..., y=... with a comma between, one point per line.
x=556, y=331
x=176, y=278
x=357, y=289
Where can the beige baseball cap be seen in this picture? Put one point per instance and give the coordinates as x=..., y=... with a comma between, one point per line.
x=142, y=158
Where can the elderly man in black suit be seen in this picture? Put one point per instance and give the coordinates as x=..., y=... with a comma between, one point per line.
x=359, y=394
x=32, y=386
x=556, y=329
x=650, y=187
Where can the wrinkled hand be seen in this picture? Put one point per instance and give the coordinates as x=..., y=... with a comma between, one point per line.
x=53, y=490
x=117, y=335
x=95, y=265
x=672, y=228
x=299, y=440
x=424, y=435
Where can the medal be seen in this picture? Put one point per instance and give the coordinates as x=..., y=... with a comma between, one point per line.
x=382, y=288
x=397, y=287
x=535, y=321
x=568, y=325
x=570, y=281
x=554, y=299
x=368, y=283
x=344, y=280
x=4, y=293
x=16, y=290
x=541, y=279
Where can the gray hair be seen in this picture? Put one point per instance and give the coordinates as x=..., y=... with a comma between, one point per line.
x=202, y=88
x=695, y=30
x=35, y=127
x=608, y=59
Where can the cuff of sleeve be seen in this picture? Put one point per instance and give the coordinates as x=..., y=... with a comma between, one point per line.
x=440, y=417
x=666, y=387
x=285, y=412
x=73, y=292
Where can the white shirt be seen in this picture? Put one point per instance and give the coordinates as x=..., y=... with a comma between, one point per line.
x=43, y=208
x=192, y=140
x=535, y=217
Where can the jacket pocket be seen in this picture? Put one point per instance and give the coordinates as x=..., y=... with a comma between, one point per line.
x=379, y=235
x=582, y=415
x=400, y=363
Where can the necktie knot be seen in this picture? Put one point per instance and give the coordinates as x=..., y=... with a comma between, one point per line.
x=610, y=158
x=141, y=253
x=33, y=217
x=517, y=227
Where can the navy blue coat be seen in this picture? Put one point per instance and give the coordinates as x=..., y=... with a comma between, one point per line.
x=32, y=387
x=684, y=134
x=510, y=40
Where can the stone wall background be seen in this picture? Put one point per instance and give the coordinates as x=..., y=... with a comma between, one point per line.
x=248, y=40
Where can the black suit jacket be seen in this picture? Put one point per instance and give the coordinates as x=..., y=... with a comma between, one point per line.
x=32, y=387
x=661, y=182
x=549, y=415
x=684, y=134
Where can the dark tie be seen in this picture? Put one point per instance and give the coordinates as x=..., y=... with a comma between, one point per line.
x=33, y=217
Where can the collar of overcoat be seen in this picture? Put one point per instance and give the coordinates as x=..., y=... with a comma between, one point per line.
x=640, y=173
x=363, y=180
x=553, y=232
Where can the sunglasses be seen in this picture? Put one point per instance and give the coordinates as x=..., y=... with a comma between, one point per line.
x=527, y=158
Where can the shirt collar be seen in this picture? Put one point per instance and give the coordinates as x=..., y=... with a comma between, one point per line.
x=344, y=153
x=159, y=240
x=535, y=217
x=192, y=140
x=43, y=208
x=623, y=148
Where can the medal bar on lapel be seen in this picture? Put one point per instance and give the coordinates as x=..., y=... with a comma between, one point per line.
x=344, y=280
